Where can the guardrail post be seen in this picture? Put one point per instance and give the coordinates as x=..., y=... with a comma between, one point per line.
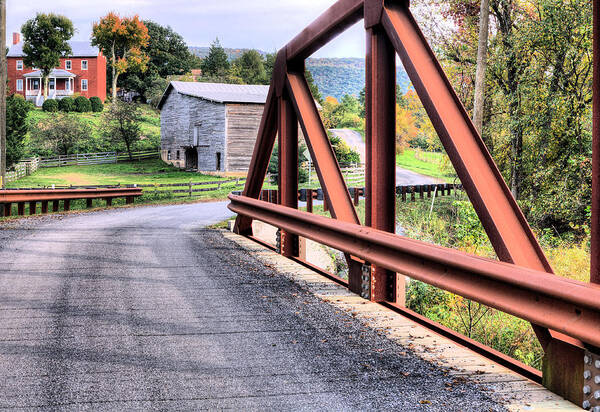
x=55, y=205
x=21, y=209
x=88, y=203
x=67, y=205
x=32, y=208
x=109, y=201
x=129, y=200
x=356, y=196
x=309, y=200
x=44, y=207
x=7, y=209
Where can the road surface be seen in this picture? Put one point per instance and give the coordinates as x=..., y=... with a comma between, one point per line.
x=403, y=177
x=142, y=309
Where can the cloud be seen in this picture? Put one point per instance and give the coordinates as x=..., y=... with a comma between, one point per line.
x=261, y=24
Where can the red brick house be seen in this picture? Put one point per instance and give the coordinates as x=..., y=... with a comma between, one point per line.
x=83, y=72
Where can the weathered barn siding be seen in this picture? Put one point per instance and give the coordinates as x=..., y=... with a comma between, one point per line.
x=180, y=114
x=243, y=121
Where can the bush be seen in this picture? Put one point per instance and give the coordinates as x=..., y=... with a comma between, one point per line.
x=97, y=105
x=66, y=105
x=50, y=105
x=82, y=104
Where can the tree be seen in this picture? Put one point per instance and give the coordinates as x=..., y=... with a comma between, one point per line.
x=314, y=89
x=216, y=64
x=478, y=103
x=251, y=68
x=16, y=127
x=121, y=124
x=60, y=134
x=155, y=90
x=168, y=55
x=45, y=41
x=121, y=40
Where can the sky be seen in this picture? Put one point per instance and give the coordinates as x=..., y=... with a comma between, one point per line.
x=259, y=24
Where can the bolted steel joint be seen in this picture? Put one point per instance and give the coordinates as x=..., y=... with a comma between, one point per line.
x=365, y=289
x=591, y=381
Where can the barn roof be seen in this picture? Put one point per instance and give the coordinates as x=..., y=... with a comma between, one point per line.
x=219, y=92
x=79, y=49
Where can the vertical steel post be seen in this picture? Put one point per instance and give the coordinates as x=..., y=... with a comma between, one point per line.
x=3, y=77
x=381, y=149
x=595, y=223
x=288, y=167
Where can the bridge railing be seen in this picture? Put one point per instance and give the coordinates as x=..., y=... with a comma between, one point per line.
x=44, y=197
x=565, y=314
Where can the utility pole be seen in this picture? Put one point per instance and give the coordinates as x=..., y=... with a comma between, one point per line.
x=3, y=94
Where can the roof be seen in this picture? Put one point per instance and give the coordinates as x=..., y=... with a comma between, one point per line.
x=60, y=73
x=79, y=49
x=219, y=92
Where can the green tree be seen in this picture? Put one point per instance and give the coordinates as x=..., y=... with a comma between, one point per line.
x=168, y=55
x=16, y=127
x=155, y=90
x=45, y=41
x=216, y=64
x=121, y=41
x=314, y=89
x=60, y=134
x=251, y=68
x=121, y=124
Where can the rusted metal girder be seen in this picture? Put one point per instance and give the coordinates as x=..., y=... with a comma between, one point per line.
x=317, y=141
x=334, y=21
x=18, y=196
x=380, y=137
x=565, y=305
x=288, y=167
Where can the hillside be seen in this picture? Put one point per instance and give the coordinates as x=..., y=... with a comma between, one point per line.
x=334, y=76
x=339, y=76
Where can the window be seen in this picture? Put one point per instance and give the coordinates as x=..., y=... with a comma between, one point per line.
x=218, y=161
x=52, y=84
x=178, y=155
x=35, y=84
x=84, y=65
x=19, y=85
x=196, y=135
x=68, y=65
x=84, y=84
x=19, y=64
x=169, y=155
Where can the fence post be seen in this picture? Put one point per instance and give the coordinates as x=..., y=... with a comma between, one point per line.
x=309, y=200
x=190, y=188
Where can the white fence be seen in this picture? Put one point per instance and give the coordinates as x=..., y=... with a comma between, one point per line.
x=23, y=168
x=96, y=158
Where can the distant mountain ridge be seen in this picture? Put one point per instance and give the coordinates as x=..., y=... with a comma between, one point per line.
x=334, y=76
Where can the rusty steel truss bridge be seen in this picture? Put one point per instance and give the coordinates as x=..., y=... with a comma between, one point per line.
x=565, y=314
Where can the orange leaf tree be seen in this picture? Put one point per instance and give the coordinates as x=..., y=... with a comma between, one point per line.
x=121, y=40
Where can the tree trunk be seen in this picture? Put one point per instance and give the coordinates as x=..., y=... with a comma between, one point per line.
x=129, y=151
x=478, y=104
x=114, y=75
x=45, y=86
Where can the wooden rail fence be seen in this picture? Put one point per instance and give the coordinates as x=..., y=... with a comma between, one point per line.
x=81, y=159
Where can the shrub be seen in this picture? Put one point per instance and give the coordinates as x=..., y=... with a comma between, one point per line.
x=50, y=105
x=66, y=105
x=82, y=104
x=97, y=105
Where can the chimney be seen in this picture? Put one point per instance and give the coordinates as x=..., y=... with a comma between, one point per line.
x=16, y=38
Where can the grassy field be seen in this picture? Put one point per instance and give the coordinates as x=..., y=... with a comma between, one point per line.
x=148, y=171
x=426, y=163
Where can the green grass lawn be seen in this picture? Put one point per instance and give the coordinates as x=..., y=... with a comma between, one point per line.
x=426, y=163
x=148, y=171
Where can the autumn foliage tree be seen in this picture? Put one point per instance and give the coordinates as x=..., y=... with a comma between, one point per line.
x=121, y=40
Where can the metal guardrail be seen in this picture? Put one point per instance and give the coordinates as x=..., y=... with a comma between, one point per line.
x=33, y=197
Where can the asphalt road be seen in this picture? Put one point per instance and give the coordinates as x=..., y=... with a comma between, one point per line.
x=403, y=177
x=142, y=309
